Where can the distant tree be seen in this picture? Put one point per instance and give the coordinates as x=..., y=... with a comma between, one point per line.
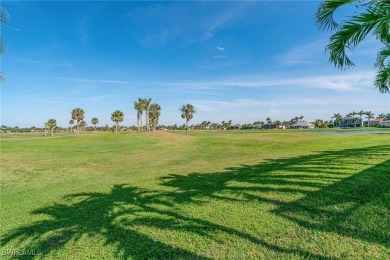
x=361, y=113
x=94, y=121
x=154, y=115
x=301, y=118
x=117, y=116
x=71, y=122
x=319, y=123
x=356, y=120
x=382, y=115
x=4, y=18
x=369, y=116
x=146, y=106
x=83, y=124
x=372, y=17
x=51, y=124
x=78, y=115
x=387, y=116
x=338, y=118
x=187, y=113
x=139, y=106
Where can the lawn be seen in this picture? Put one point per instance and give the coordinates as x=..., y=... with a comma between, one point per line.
x=212, y=194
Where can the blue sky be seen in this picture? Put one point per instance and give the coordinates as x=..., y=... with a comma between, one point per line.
x=243, y=61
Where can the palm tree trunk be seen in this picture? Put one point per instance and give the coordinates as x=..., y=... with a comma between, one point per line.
x=78, y=127
x=147, y=120
x=187, y=127
x=94, y=128
x=138, y=121
x=140, y=118
x=116, y=128
x=52, y=130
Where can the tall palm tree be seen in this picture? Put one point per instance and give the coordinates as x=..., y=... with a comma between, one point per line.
x=338, y=118
x=78, y=115
x=71, y=122
x=187, y=113
x=356, y=120
x=369, y=116
x=117, y=116
x=51, y=124
x=154, y=115
x=139, y=107
x=146, y=105
x=94, y=121
x=361, y=113
x=372, y=18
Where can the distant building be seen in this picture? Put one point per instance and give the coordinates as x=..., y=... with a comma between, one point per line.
x=348, y=122
x=374, y=122
x=386, y=123
x=268, y=126
x=302, y=125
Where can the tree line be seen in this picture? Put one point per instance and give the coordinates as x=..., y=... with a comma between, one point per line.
x=187, y=113
x=152, y=115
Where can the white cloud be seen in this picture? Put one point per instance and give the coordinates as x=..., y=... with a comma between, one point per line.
x=357, y=81
x=220, y=48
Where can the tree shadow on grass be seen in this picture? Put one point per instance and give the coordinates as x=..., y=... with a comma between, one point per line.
x=338, y=196
x=335, y=191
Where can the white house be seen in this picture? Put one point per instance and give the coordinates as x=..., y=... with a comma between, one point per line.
x=302, y=125
x=386, y=123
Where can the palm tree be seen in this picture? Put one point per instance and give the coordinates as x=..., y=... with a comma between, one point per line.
x=361, y=113
x=372, y=18
x=139, y=107
x=78, y=115
x=82, y=125
x=71, y=122
x=338, y=118
x=94, y=121
x=187, y=113
x=117, y=116
x=356, y=120
x=146, y=104
x=154, y=114
x=51, y=124
x=370, y=116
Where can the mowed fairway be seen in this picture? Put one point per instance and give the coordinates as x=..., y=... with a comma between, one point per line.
x=213, y=194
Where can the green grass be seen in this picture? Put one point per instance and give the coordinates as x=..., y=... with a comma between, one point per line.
x=213, y=194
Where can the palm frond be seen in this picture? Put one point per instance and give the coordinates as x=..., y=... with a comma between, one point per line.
x=382, y=79
x=324, y=14
x=353, y=32
x=383, y=54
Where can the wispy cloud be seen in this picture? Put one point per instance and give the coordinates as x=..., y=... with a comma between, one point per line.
x=308, y=53
x=50, y=64
x=219, y=57
x=220, y=48
x=102, y=81
x=339, y=82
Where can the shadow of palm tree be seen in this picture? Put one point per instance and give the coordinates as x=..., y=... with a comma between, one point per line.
x=326, y=179
x=114, y=216
x=338, y=196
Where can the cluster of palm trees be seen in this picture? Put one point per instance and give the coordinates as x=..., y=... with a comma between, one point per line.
x=338, y=118
x=152, y=113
